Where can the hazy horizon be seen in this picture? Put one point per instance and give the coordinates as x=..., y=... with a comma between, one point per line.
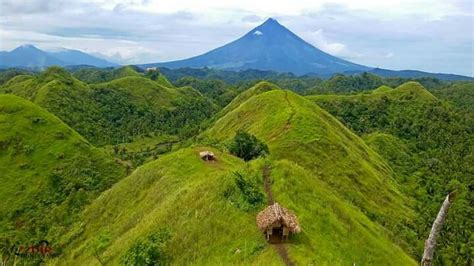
x=432, y=36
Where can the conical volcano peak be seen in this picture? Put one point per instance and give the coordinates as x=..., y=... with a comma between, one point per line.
x=270, y=24
x=271, y=21
x=269, y=46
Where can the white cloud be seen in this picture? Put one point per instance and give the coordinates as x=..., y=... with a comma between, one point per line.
x=318, y=39
x=433, y=35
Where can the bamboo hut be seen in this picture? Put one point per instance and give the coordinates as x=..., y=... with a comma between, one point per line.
x=277, y=222
x=207, y=155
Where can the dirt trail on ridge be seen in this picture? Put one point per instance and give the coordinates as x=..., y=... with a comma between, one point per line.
x=280, y=247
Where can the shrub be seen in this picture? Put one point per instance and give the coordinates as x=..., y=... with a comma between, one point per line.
x=148, y=251
x=247, y=146
x=245, y=192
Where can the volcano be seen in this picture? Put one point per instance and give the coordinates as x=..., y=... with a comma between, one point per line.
x=269, y=46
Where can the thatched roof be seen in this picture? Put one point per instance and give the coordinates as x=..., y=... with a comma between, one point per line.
x=275, y=213
x=206, y=154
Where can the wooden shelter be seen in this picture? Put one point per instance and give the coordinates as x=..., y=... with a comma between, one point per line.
x=277, y=222
x=207, y=155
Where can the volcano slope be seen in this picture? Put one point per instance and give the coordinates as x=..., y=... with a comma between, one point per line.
x=343, y=193
x=116, y=111
x=48, y=173
x=429, y=143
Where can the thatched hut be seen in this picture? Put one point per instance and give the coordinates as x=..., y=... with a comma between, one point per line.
x=207, y=155
x=277, y=222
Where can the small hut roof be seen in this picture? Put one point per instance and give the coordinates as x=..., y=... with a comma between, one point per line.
x=276, y=213
x=206, y=153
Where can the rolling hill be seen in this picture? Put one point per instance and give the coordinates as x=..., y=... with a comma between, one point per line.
x=300, y=131
x=428, y=143
x=116, y=111
x=49, y=172
x=348, y=204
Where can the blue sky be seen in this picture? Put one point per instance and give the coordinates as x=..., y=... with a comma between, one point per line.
x=429, y=35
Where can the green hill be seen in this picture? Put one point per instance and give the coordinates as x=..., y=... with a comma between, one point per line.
x=300, y=131
x=429, y=145
x=117, y=111
x=93, y=75
x=382, y=89
x=97, y=75
x=342, y=192
x=49, y=172
x=259, y=88
x=210, y=222
x=461, y=94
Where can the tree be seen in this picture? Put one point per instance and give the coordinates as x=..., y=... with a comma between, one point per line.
x=247, y=146
x=430, y=243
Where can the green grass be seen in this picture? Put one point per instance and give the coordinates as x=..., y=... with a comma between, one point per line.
x=116, y=111
x=259, y=88
x=334, y=231
x=142, y=91
x=407, y=91
x=343, y=193
x=143, y=149
x=187, y=196
x=428, y=143
x=49, y=172
x=382, y=89
x=300, y=131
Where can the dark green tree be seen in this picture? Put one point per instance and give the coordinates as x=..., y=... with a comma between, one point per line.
x=247, y=146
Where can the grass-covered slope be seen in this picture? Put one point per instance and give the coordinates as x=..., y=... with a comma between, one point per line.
x=210, y=222
x=117, y=111
x=48, y=172
x=259, y=88
x=93, y=75
x=142, y=91
x=184, y=195
x=298, y=130
x=430, y=145
x=382, y=89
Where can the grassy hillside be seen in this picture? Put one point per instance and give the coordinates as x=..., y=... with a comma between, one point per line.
x=117, y=111
x=93, y=75
x=49, y=172
x=259, y=88
x=430, y=146
x=300, y=131
x=97, y=75
x=210, y=221
x=382, y=89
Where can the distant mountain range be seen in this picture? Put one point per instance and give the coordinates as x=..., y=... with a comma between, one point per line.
x=29, y=56
x=271, y=46
x=268, y=47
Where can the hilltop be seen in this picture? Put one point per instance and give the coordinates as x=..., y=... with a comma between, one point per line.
x=210, y=221
x=49, y=172
x=116, y=111
x=300, y=131
x=427, y=142
x=346, y=216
